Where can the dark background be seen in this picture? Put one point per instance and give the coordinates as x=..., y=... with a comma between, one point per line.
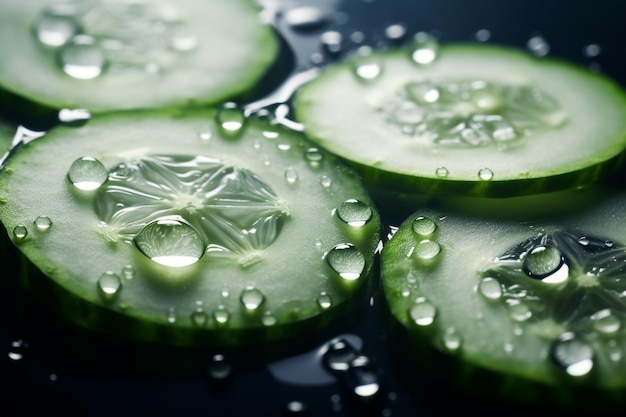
x=50, y=367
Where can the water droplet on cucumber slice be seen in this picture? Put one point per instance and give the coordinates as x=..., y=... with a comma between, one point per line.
x=163, y=236
x=472, y=119
x=112, y=54
x=533, y=298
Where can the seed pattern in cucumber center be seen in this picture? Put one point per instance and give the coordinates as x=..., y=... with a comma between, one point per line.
x=570, y=288
x=471, y=113
x=91, y=37
x=178, y=208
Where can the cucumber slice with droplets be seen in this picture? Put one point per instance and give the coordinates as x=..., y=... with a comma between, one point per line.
x=473, y=119
x=128, y=54
x=200, y=228
x=530, y=306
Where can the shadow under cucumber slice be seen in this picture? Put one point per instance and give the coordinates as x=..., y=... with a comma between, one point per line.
x=479, y=119
x=525, y=308
x=170, y=228
x=109, y=55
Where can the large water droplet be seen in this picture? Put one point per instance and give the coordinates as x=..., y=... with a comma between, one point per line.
x=354, y=212
x=170, y=241
x=425, y=49
x=546, y=263
x=56, y=25
x=424, y=226
x=427, y=250
x=423, y=312
x=252, y=298
x=573, y=354
x=87, y=173
x=109, y=284
x=82, y=58
x=347, y=261
x=43, y=223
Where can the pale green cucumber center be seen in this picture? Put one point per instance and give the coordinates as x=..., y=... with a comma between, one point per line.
x=474, y=113
x=178, y=208
x=90, y=38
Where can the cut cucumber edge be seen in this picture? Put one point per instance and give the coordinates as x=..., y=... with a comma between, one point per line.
x=312, y=109
x=99, y=316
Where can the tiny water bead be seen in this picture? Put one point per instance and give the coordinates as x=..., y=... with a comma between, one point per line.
x=452, y=339
x=441, y=172
x=347, y=261
x=43, y=223
x=605, y=321
x=306, y=18
x=423, y=226
x=490, y=288
x=423, y=312
x=354, y=212
x=367, y=66
x=199, y=318
x=109, y=284
x=324, y=300
x=362, y=379
x=547, y=264
x=427, y=250
x=519, y=311
x=87, y=173
x=56, y=25
x=314, y=156
x=230, y=118
x=538, y=45
x=332, y=41
x=170, y=241
x=221, y=316
x=252, y=298
x=573, y=354
x=425, y=49
x=339, y=355
x=20, y=232
x=485, y=174
x=291, y=176
x=219, y=367
x=82, y=58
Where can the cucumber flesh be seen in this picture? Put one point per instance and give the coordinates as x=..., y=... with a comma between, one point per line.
x=196, y=229
x=127, y=54
x=476, y=119
x=530, y=298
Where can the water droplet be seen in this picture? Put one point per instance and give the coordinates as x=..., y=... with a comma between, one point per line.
x=43, y=223
x=205, y=136
x=592, y=50
x=324, y=300
x=306, y=18
x=347, y=261
x=573, y=354
x=485, y=174
x=490, y=288
x=452, y=339
x=483, y=35
x=332, y=41
x=314, y=156
x=56, y=25
x=441, y=172
x=170, y=241
x=171, y=315
x=269, y=319
x=395, y=32
x=199, y=317
x=291, y=175
x=425, y=48
x=538, y=46
x=546, y=263
x=367, y=66
x=362, y=378
x=128, y=272
x=231, y=118
x=183, y=43
x=423, y=312
x=252, y=298
x=424, y=226
x=427, y=249
x=338, y=356
x=519, y=311
x=583, y=240
x=355, y=213
x=219, y=368
x=606, y=322
x=325, y=181
x=20, y=232
x=109, y=284
x=221, y=315
x=297, y=408
x=82, y=58
x=87, y=173
x=17, y=351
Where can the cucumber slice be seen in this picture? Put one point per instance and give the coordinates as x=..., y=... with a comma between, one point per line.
x=190, y=229
x=536, y=300
x=478, y=119
x=126, y=54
